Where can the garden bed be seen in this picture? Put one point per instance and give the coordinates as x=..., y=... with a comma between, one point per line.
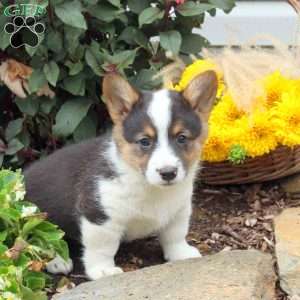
x=223, y=219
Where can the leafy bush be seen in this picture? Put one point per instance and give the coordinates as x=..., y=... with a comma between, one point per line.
x=82, y=40
x=27, y=242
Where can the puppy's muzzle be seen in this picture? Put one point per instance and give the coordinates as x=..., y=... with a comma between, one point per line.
x=168, y=173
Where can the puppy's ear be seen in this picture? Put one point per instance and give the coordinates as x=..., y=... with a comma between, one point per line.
x=119, y=96
x=201, y=92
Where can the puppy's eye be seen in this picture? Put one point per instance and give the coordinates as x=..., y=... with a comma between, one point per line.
x=145, y=143
x=181, y=139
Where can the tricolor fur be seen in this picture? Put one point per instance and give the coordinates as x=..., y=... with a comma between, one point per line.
x=132, y=182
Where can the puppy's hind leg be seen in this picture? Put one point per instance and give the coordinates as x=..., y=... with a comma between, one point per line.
x=101, y=243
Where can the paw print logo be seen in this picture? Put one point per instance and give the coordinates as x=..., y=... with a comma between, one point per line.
x=24, y=31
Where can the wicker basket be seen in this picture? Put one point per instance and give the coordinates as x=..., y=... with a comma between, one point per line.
x=281, y=162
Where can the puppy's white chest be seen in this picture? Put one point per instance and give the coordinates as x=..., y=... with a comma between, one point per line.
x=143, y=210
x=151, y=214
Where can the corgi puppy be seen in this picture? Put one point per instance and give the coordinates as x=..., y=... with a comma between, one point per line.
x=133, y=182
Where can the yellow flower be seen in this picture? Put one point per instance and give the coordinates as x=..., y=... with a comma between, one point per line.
x=287, y=119
x=223, y=132
x=274, y=86
x=196, y=68
x=221, y=137
x=225, y=110
x=215, y=149
x=258, y=133
x=296, y=85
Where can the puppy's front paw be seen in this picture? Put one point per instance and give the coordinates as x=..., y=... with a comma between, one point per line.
x=59, y=266
x=97, y=272
x=181, y=251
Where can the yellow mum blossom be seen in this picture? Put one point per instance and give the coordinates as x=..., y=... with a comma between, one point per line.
x=215, y=148
x=275, y=85
x=296, y=85
x=258, y=133
x=287, y=119
x=223, y=132
x=196, y=68
x=225, y=110
x=220, y=139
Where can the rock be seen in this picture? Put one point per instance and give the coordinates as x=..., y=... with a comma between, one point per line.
x=291, y=184
x=287, y=234
x=230, y=275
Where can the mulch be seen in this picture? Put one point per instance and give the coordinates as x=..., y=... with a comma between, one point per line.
x=224, y=219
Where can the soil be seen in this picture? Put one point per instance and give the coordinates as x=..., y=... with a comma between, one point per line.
x=224, y=219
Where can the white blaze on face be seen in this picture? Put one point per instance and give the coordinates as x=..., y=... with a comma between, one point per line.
x=159, y=111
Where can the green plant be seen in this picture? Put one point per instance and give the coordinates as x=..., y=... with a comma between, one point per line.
x=83, y=39
x=27, y=242
x=237, y=154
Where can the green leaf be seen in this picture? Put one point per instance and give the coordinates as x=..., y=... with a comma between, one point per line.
x=14, y=128
x=70, y=115
x=51, y=71
x=141, y=39
x=144, y=80
x=54, y=41
x=116, y=3
x=4, y=37
x=9, y=214
x=13, y=147
x=133, y=36
x=123, y=18
x=35, y=281
x=86, y=129
x=171, y=40
x=93, y=62
x=90, y=2
x=137, y=6
x=74, y=68
x=49, y=236
x=191, y=8
x=104, y=12
x=226, y=5
x=23, y=260
x=193, y=43
x=149, y=15
x=30, y=225
x=61, y=247
x=75, y=84
x=3, y=248
x=47, y=104
x=4, y=40
x=36, y=80
x=72, y=37
x=28, y=294
x=31, y=50
x=24, y=138
x=3, y=235
x=70, y=14
x=29, y=106
x=128, y=35
x=47, y=226
x=124, y=59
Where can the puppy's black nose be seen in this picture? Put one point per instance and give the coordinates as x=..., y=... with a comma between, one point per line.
x=168, y=173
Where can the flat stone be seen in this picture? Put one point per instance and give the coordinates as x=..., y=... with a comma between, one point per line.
x=287, y=234
x=230, y=275
x=291, y=184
